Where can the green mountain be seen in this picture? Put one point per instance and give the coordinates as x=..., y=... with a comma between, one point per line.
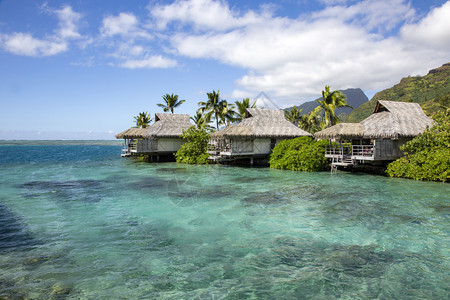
x=431, y=91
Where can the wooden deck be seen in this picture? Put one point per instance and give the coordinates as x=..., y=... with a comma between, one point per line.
x=347, y=155
x=361, y=152
x=220, y=151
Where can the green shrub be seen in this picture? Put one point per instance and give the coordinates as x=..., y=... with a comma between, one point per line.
x=299, y=154
x=194, y=151
x=427, y=156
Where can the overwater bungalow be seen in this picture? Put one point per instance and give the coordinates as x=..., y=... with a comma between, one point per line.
x=254, y=137
x=131, y=137
x=160, y=138
x=376, y=139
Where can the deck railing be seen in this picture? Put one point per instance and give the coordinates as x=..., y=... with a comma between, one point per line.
x=212, y=148
x=127, y=147
x=230, y=148
x=132, y=146
x=362, y=150
x=338, y=150
x=350, y=150
x=236, y=148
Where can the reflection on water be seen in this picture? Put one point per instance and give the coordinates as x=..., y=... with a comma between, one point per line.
x=106, y=227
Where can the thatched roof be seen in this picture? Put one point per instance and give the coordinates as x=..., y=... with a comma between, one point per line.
x=394, y=120
x=342, y=131
x=131, y=133
x=261, y=123
x=390, y=120
x=166, y=125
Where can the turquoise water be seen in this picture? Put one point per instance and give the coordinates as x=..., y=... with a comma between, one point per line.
x=79, y=222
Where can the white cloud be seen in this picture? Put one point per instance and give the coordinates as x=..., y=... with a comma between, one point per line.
x=129, y=43
x=278, y=42
x=25, y=44
x=203, y=14
x=128, y=49
x=433, y=30
x=20, y=43
x=353, y=45
x=369, y=44
x=379, y=15
x=68, y=23
x=332, y=2
x=156, y=61
x=136, y=50
x=125, y=25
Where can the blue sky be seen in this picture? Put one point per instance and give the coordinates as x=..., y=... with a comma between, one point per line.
x=82, y=69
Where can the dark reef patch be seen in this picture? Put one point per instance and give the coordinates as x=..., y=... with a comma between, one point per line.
x=443, y=208
x=265, y=198
x=335, y=259
x=218, y=191
x=70, y=184
x=13, y=233
x=149, y=183
x=35, y=261
x=358, y=261
x=152, y=237
x=84, y=190
x=172, y=170
x=8, y=290
x=247, y=179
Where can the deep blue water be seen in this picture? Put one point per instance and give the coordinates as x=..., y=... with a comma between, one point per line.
x=79, y=222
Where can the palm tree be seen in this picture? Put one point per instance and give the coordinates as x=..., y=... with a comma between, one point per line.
x=171, y=102
x=201, y=120
x=227, y=113
x=293, y=115
x=310, y=122
x=143, y=119
x=242, y=107
x=215, y=108
x=328, y=104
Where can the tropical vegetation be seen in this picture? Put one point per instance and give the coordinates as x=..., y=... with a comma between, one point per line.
x=241, y=107
x=321, y=117
x=142, y=120
x=293, y=115
x=217, y=109
x=310, y=123
x=427, y=156
x=327, y=107
x=201, y=121
x=431, y=91
x=171, y=101
x=194, y=151
x=299, y=154
x=227, y=114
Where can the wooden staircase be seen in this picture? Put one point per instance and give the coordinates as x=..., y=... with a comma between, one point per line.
x=343, y=161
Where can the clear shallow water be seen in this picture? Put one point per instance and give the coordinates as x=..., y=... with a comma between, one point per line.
x=79, y=222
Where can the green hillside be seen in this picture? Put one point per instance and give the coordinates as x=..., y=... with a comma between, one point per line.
x=431, y=91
